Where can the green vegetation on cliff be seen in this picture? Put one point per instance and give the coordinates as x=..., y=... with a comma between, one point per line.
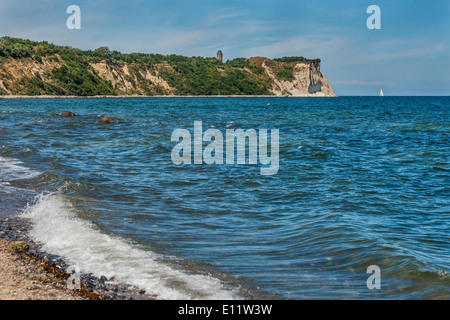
x=44, y=68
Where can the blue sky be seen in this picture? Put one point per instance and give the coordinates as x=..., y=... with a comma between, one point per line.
x=408, y=56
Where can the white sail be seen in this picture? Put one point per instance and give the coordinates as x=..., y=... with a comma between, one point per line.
x=381, y=93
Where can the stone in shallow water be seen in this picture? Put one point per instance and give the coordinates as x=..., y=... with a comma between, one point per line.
x=105, y=120
x=67, y=114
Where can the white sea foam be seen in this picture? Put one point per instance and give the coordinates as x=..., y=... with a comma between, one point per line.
x=57, y=227
x=13, y=169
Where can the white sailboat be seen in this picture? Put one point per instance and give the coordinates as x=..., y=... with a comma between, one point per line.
x=381, y=93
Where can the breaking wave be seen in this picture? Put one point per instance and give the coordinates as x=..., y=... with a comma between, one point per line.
x=58, y=229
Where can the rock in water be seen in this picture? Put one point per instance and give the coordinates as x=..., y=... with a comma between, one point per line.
x=105, y=120
x=67, y=114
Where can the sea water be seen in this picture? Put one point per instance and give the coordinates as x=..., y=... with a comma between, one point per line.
x=362, y=181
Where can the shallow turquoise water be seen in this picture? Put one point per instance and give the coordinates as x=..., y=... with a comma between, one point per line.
x=362, y=181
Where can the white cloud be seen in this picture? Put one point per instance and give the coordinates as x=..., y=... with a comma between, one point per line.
x=310, y=46
x=382, y=52
x=217, y=18
x=416, y=52
x=364, y=83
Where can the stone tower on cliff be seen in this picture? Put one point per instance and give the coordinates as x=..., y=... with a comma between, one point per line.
x=220, y=55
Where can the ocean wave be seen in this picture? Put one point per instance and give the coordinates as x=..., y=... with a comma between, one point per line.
x=12, y=169
x=58, y=229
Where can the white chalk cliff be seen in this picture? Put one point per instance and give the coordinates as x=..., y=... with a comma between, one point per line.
x=307, y=80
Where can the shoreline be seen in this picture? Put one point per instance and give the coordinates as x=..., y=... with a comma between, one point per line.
x=25, y=278
x=162, y=96
x=29, y=273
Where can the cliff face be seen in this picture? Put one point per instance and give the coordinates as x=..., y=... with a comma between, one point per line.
x=29, y=77
x=13, y=73
x=124, y=79
x=306, y=80
x=32, y=68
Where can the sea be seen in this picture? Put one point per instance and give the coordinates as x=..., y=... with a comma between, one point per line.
x=359, y=207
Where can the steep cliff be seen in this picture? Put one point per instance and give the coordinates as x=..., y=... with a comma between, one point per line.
x=298, y=79
x=40, y=68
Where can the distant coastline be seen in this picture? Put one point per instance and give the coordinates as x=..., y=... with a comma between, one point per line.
x=30, y=68
x=156, y=96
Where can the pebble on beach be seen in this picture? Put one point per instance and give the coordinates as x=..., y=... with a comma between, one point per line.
x=20, y=246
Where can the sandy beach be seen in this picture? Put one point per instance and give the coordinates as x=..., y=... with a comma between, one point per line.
x=29, y=273
x=23, y=277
